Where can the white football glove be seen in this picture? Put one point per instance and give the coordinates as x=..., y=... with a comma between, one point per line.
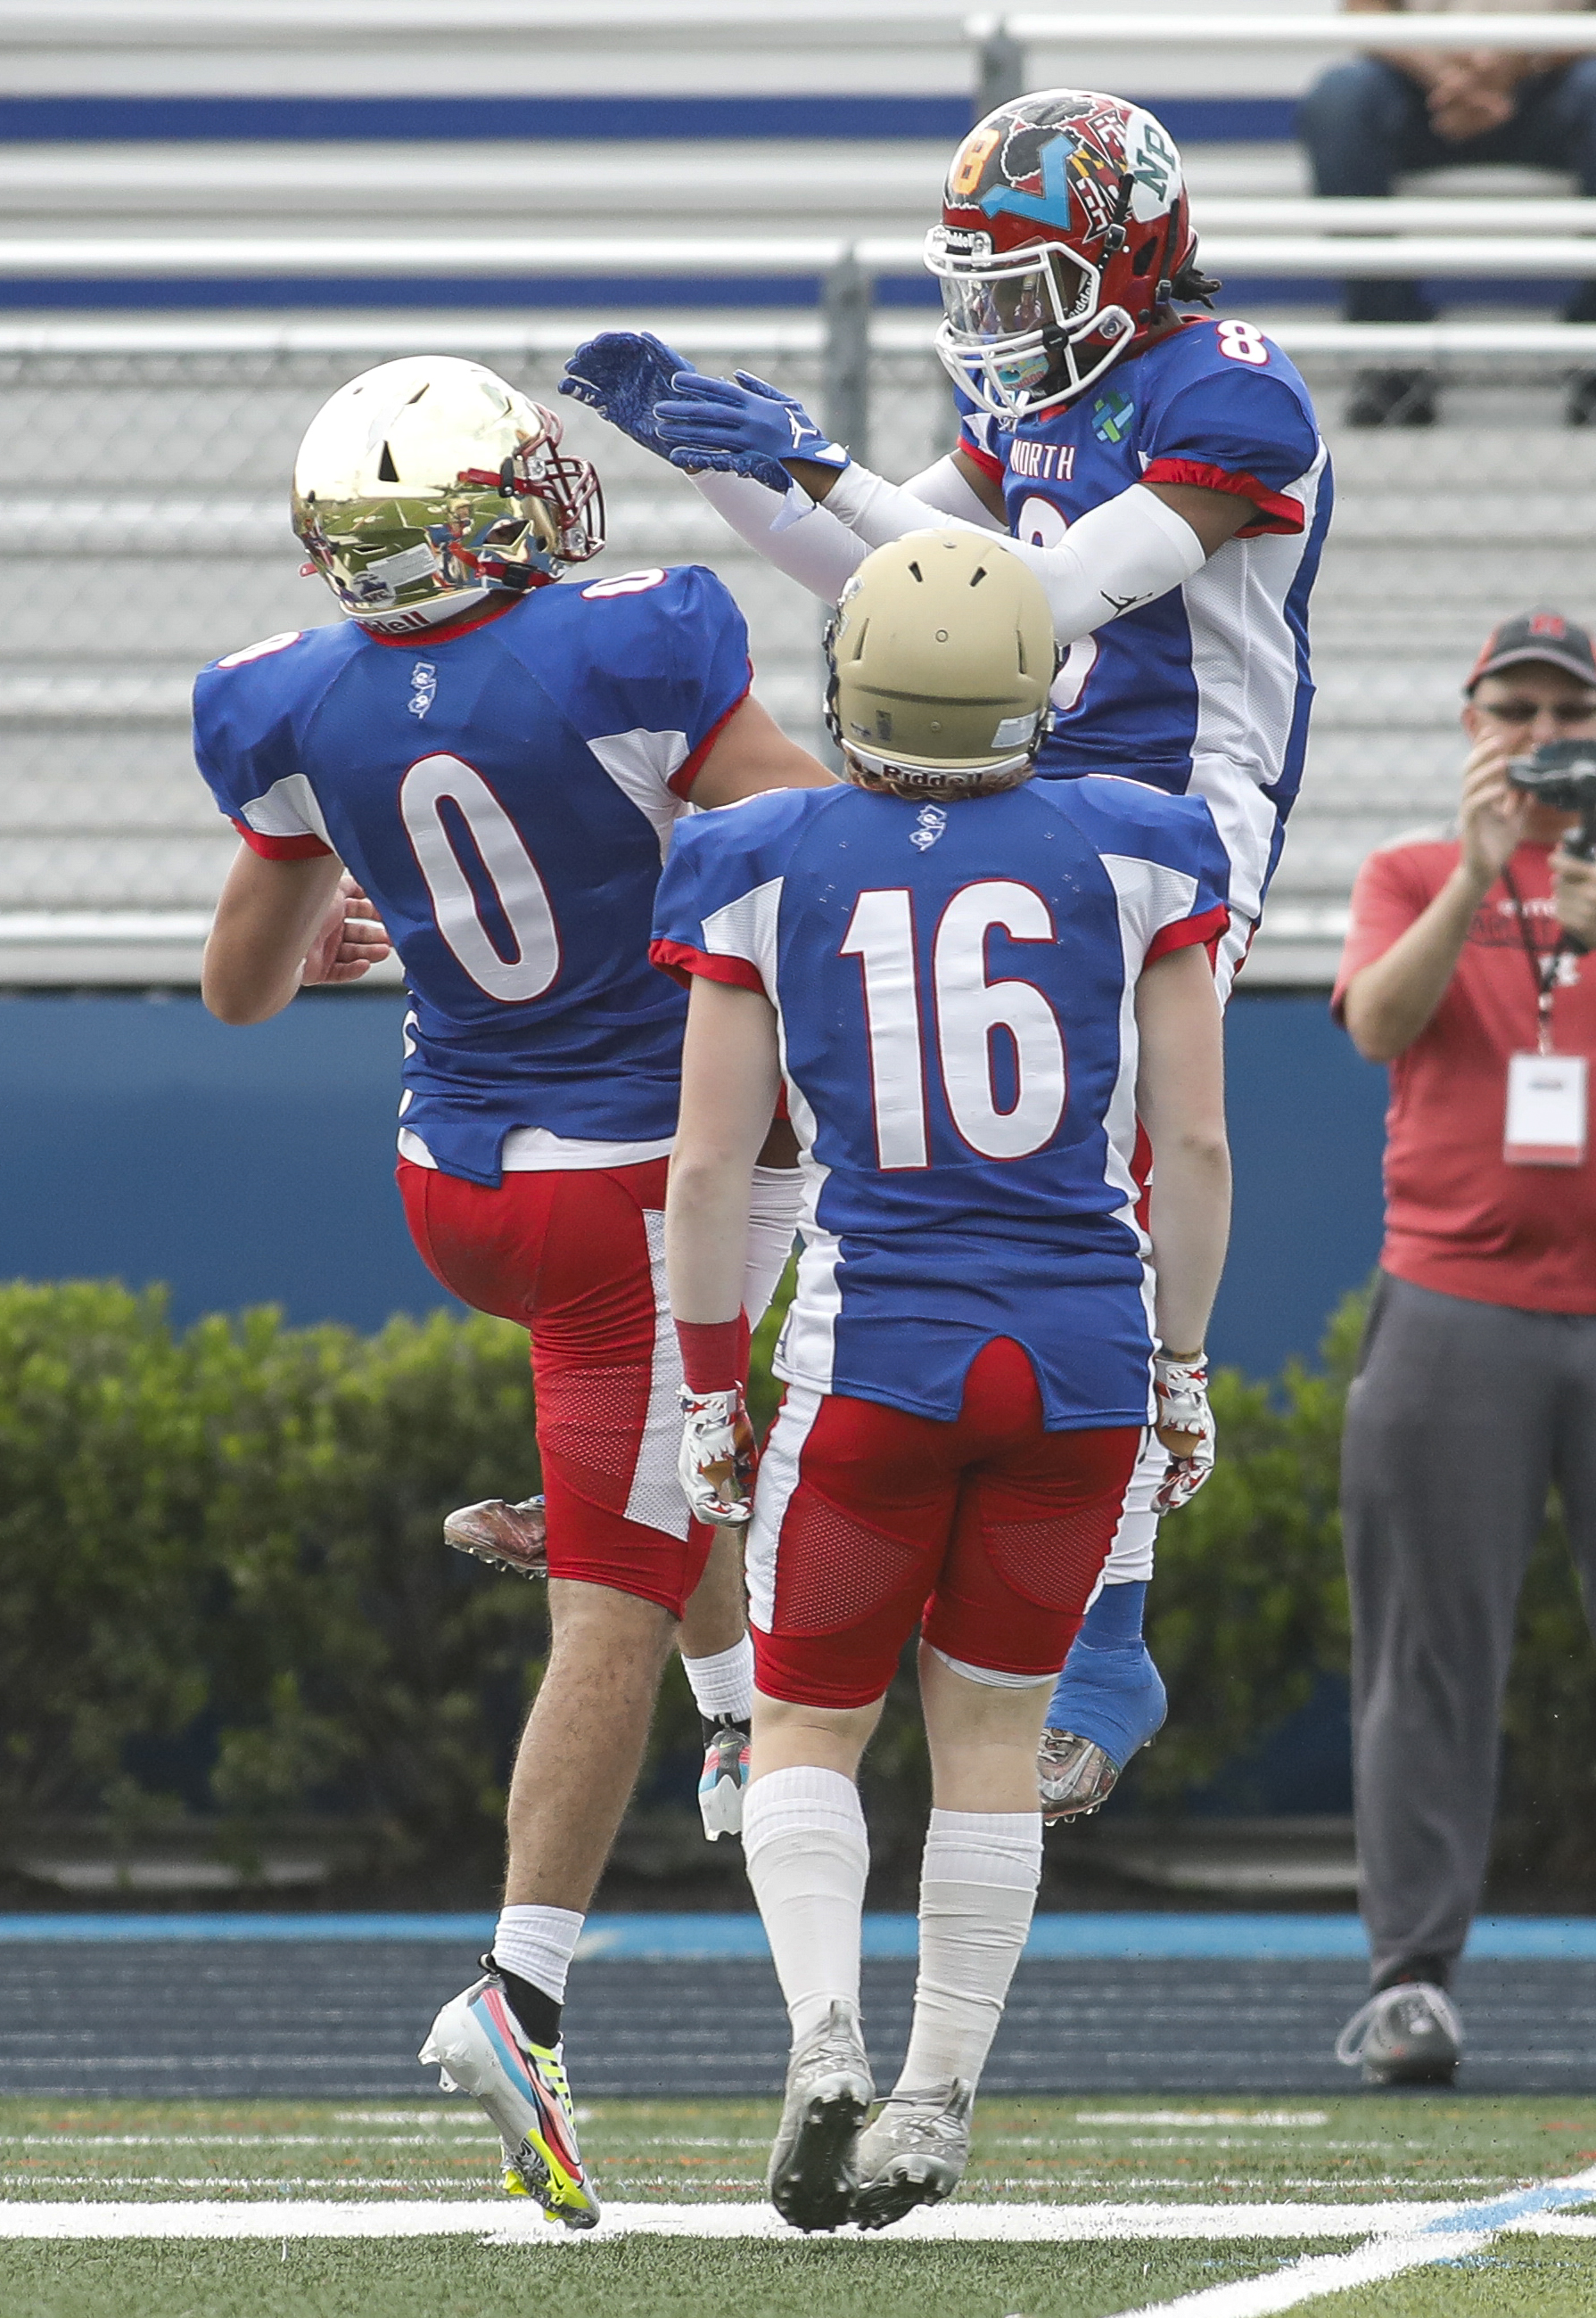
x=1185, y=1425
x=718, y=1457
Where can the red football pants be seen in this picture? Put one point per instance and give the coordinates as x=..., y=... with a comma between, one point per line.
x=864, y=1512
x=579, y=1258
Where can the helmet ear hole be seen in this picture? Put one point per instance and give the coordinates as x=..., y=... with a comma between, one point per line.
x=1142, y=263
x=387, y=472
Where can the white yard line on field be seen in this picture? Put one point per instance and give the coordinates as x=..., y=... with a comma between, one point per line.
x=518, y=2223
x=1462, y=2229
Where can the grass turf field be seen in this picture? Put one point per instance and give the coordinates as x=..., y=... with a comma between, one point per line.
x=1181, y=2165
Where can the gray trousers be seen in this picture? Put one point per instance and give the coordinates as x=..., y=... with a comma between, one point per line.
x=1462, y=1417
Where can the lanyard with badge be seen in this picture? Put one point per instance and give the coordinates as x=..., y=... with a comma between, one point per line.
x=1547, y=1104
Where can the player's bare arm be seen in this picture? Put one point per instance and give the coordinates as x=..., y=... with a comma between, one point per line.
x=752, y=753
x=730, y=1075
x=1180, y=1101
x=280, y=926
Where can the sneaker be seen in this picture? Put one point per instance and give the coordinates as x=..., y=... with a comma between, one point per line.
x=1392, y=397
x=829, y=2090
x=1407, y=2034
x=913, y=2155
x=479, y=2047
x=1108, y=1703
x=725, y=1778
x=514, y=1537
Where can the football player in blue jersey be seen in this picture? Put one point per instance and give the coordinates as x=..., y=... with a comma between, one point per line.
x=500, y=762
x=1163, y=475
x=974, y=986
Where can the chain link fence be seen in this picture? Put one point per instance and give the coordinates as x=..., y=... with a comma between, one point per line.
x=143, y=498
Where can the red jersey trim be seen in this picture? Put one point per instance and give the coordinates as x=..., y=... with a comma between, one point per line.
x=1209, y=929
x=986, y=460
x=279, y=849
x=682, y=962
x=1275, y=512
x=687, y=771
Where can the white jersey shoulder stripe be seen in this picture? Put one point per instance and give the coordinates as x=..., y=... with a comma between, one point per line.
x=641, y=765
x=288, y=809
x=746, y=929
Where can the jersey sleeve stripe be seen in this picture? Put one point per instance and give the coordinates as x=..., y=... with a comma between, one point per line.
x=688, y=772
x=279, y=849
x=986, y=460
x=682, y=962
x=1276, y=511
x=1208, y=926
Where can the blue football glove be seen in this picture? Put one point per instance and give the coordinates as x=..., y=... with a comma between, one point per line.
x=745, y=429
x=622, y=374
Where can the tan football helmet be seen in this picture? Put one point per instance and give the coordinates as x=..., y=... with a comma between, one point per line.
x=941, y=657
x=425, y=483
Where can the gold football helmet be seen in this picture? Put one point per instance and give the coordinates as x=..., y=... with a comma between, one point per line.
x=940, y=655
x=427, y=481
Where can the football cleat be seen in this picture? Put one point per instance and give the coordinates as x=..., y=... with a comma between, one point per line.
x=1407, y=2034
x=813, y=2174
x=511, y=1536
x=479, y=2047
x=1074, y=1776
x=725, y=1778
x=913, y=2155
x=1108, y=1703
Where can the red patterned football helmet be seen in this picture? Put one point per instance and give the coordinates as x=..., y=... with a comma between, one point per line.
x=1066, y=232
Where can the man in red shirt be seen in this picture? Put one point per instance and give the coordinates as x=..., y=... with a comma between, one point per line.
x=1476, y=1384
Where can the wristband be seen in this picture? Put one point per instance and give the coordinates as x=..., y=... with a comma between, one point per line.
x=711, y=1354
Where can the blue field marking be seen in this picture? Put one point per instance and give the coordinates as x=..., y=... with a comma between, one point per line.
x=472, y=120
x=1234, y=1937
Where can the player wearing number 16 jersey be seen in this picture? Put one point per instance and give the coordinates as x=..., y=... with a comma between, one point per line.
x=972, y=983
x=500, y=762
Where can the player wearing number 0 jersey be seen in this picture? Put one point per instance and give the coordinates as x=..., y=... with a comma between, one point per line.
x=972, y=983
x=501, y=761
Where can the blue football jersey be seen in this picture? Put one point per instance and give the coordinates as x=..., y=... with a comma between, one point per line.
x=505, y=794
x=1207, y=688
x=953, y=984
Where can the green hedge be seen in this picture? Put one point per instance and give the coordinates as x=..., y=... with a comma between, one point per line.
x=220, y=1547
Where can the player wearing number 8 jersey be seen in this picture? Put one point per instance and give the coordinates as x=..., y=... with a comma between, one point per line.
x=500, y=762
x=1163, y=475
x=971, y=984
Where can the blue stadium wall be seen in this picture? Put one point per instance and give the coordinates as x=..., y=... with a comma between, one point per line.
x=140, y=1140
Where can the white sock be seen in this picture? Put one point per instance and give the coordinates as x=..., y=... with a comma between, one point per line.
x=537, y=1944
x=807, y=1856
x=977, y=1891
x=773, y=1204
x=724, y=1684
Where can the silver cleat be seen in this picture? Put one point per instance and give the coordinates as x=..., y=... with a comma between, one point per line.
x=829, y=2091
x=913, y=2155
x=1074, y=1776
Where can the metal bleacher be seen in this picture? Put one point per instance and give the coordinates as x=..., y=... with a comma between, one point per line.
x=215, y=213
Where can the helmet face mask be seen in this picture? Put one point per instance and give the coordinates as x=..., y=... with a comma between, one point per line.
x=427, y=483
x=1024, y=330
x=1066, y=231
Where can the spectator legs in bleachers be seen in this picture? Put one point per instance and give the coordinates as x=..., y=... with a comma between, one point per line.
x=1364, y=124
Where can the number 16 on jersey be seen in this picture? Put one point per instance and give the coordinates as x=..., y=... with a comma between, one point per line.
x=953, y=1027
